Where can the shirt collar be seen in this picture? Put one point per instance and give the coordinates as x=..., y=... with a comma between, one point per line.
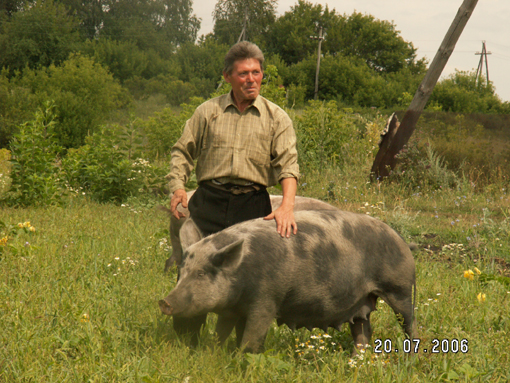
x=229, y=100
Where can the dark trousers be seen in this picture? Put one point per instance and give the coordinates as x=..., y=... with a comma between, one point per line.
x=213, y=210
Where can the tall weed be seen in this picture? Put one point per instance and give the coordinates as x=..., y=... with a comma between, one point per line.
x=419, y=165
x=34, y=171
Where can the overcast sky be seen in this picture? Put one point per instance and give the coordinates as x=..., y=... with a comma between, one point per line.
x=425, y=23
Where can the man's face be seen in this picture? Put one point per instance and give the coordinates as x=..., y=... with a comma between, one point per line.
x=245, y=79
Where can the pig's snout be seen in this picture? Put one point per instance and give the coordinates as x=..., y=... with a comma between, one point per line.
x=165, y=307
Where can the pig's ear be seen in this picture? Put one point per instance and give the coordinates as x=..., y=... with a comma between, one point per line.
x=229, y=256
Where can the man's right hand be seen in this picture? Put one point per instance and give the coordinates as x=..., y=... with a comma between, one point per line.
x=179, y=197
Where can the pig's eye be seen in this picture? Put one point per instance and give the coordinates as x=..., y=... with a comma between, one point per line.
x=201, y=274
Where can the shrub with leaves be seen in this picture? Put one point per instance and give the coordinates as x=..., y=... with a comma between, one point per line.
x=104, y=170
x=99, y=169
x=34, y=171
x=322, y=132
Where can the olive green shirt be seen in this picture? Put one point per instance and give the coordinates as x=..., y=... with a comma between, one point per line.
x=257, y=145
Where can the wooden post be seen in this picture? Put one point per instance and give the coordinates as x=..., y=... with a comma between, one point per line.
x=391, y=145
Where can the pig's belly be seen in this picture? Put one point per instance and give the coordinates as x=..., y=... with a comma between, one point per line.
x=321, y=314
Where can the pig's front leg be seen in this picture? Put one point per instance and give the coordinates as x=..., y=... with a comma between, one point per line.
x=240, y=326
x=257, y=324
x=224, y=327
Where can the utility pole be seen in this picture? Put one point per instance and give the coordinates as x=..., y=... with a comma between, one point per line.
x=398, y=134
x=479, y=70
x=242, y=36
x=320, y=38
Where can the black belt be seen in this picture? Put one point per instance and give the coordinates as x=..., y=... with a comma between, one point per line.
x=233, y=188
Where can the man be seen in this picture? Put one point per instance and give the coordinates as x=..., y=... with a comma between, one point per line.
x=243, y=143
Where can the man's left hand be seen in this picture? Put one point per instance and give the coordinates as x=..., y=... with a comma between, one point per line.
x=285, y=221
x=284, y=215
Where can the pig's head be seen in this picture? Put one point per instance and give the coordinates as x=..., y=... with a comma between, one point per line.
x=206, y=279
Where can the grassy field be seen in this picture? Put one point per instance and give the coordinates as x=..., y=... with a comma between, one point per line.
x=79, y=287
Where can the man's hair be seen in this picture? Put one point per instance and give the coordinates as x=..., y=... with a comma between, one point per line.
x=242, y=51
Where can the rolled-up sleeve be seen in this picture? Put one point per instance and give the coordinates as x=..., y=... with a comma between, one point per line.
x=284, y=153
x=184, y=152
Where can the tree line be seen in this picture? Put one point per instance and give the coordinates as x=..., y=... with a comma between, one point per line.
x=94, y=56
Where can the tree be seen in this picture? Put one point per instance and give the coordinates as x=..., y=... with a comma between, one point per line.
x=9, y=7
x=84, y=94
x=41, y=35
x=125, y=60
x=201, y=64
x=375, y=41
x=347, y=79
x=156, y=24
x=89, y=12
x=289, y=36
x=232, y=17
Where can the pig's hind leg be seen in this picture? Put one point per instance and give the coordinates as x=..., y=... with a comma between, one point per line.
x=360, y=323
x=361, y=332
x=402, y=305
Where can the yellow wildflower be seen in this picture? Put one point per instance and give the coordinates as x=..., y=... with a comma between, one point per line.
x=32, y=229
x=477, y=271
x=468, y=274
x=3, y=241
x=85, y=318
x=481, y=297
x=27, y=224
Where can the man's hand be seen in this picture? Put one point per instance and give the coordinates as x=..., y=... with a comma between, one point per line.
x=179, y=197
x=284, y=215
x=285, y=222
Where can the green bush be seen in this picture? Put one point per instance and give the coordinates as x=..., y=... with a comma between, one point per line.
x=99, y=169
x=34, y=171
x=322, y=133
x=104, y=170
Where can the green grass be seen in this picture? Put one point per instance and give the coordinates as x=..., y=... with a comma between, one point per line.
x=78, y=297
